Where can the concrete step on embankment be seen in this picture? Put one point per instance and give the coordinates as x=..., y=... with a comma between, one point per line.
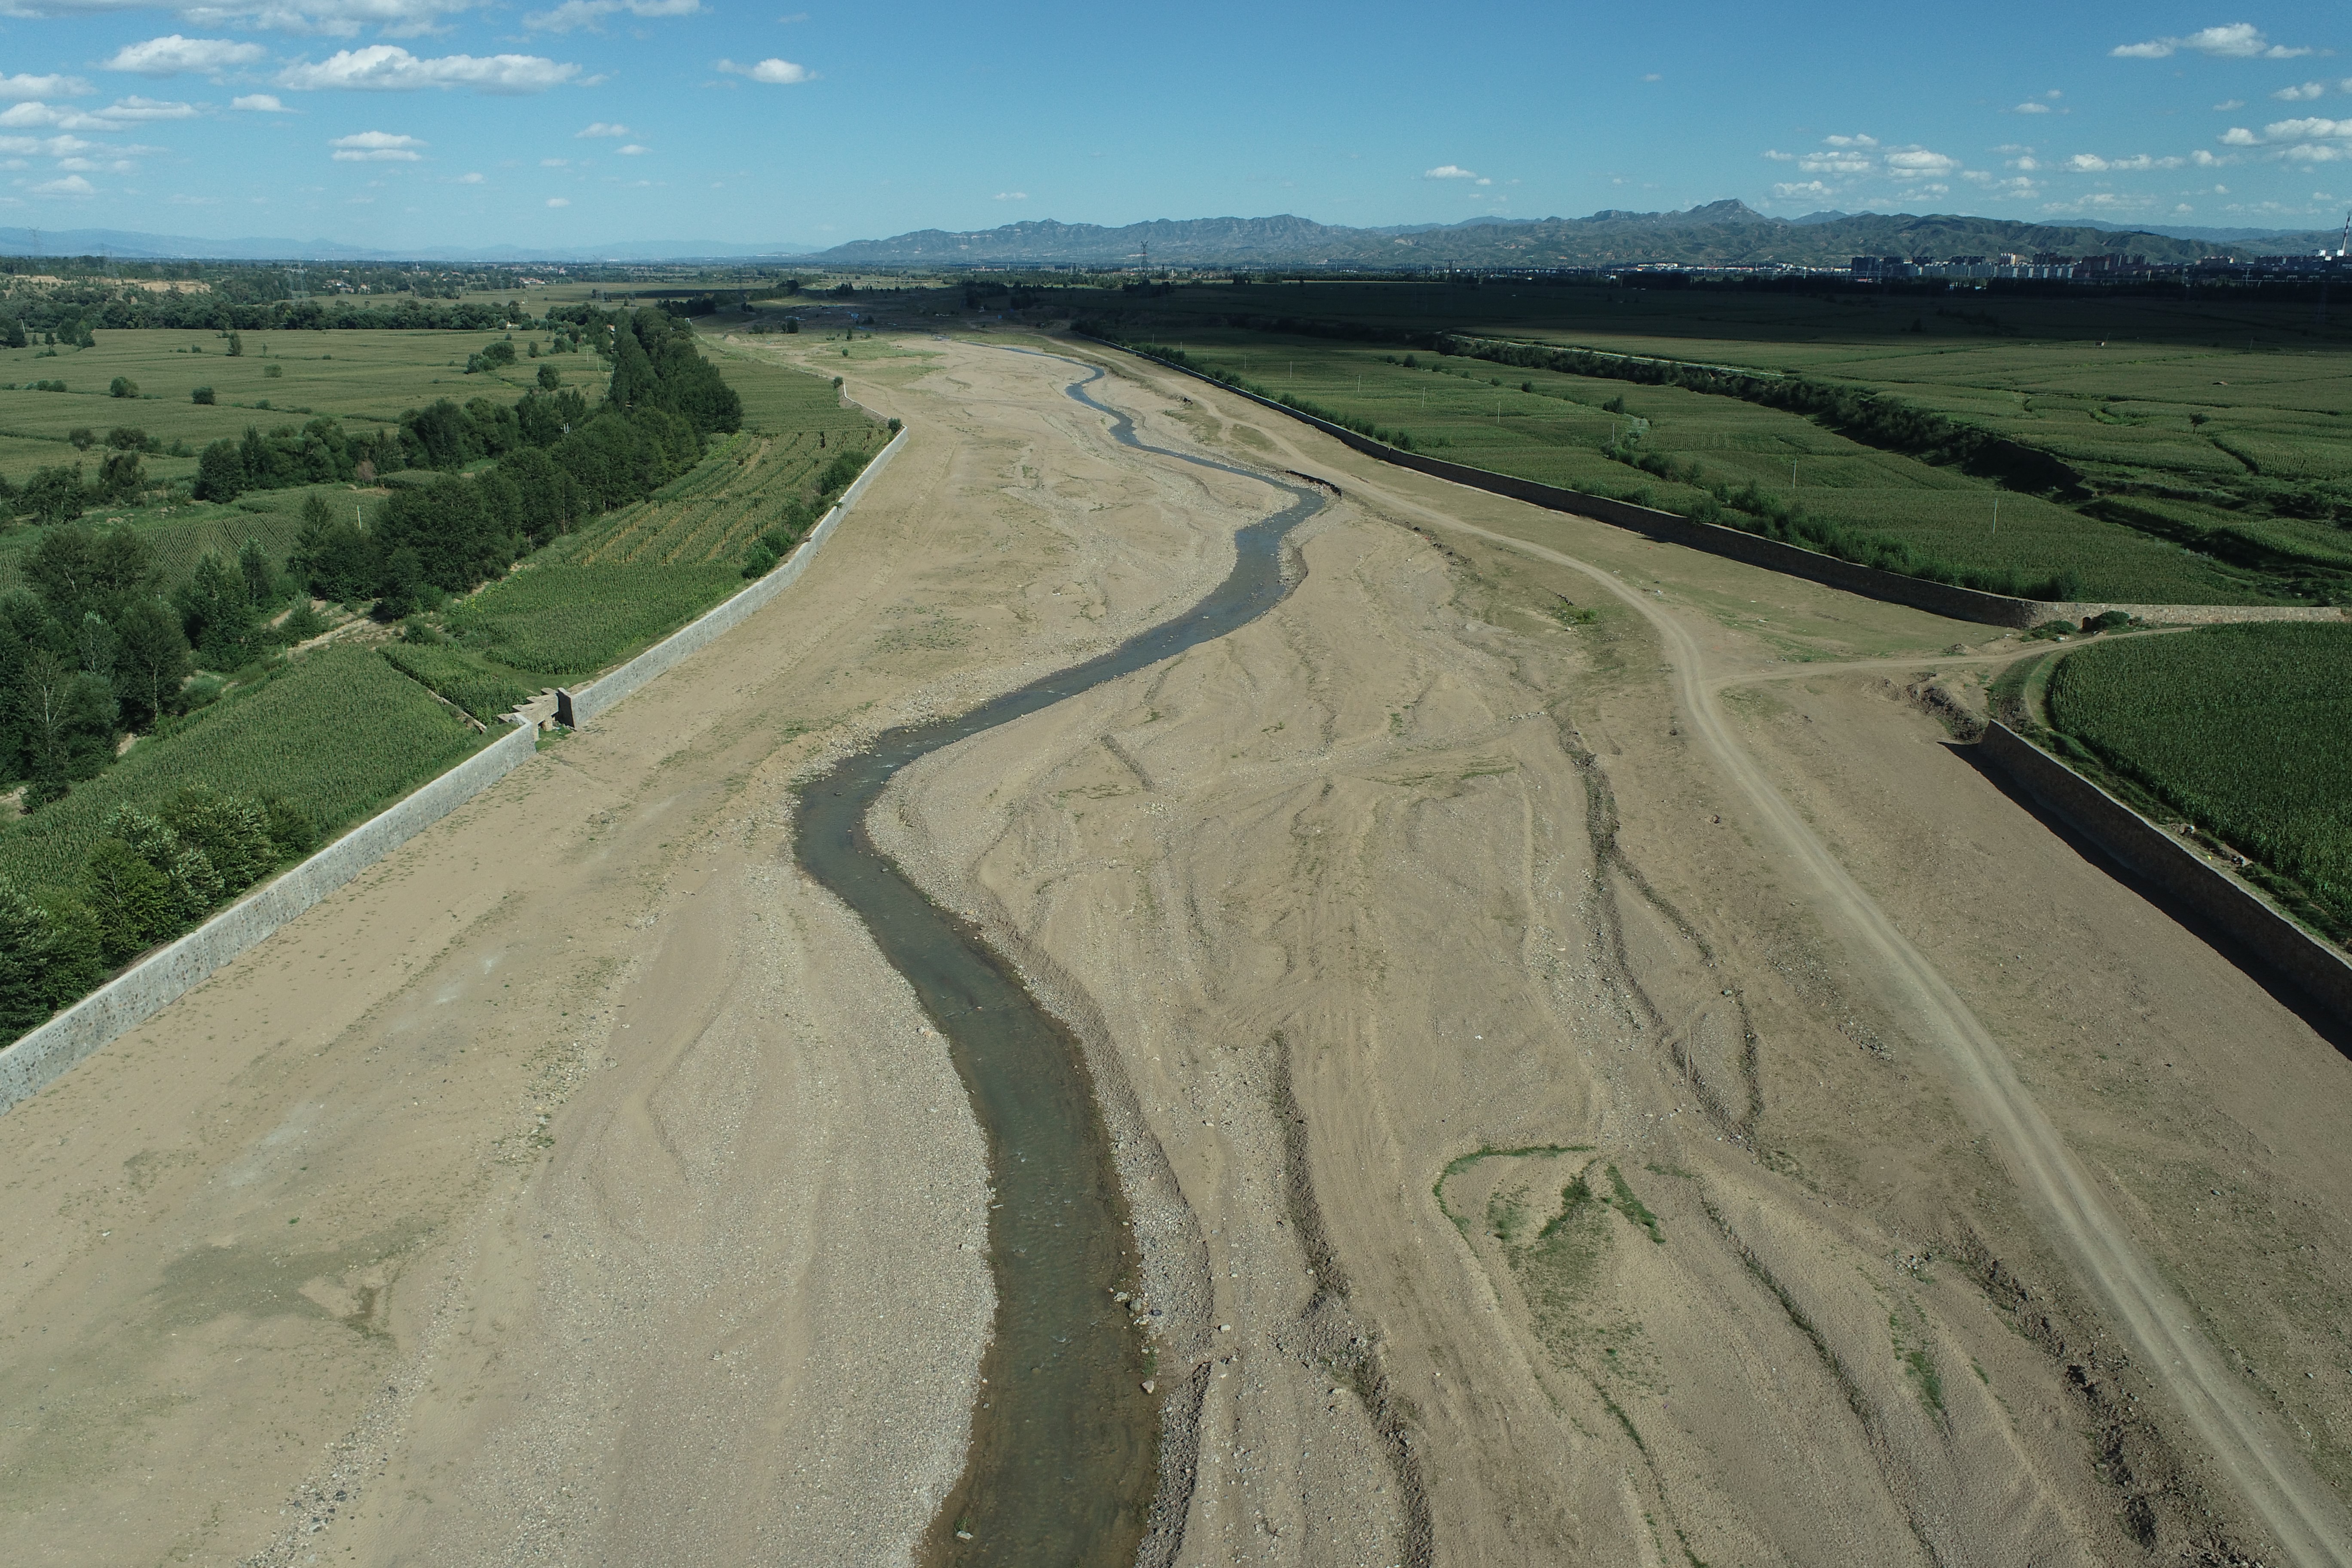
x=539, y=712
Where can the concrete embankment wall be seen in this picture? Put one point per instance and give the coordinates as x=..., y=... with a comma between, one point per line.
x=1937, y=598
x=577, y=707
x=2318, y=968
x=146, y=988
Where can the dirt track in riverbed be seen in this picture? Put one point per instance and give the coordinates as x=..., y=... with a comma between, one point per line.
x=1408, y=921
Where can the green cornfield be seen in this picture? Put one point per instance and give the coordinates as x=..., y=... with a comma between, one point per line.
x=563, y=622
x=341, y=734
x=713, y=514
x=2245, y=730
x=472, y=683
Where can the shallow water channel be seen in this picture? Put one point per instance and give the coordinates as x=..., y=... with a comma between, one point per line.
x=1063, y=1462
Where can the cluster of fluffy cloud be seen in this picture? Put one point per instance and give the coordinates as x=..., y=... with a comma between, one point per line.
x=590, y=14
x=332, y=18
x=775, y=72
x=388, y=67
x=2310, y=139
x=1859, y=161
x=1861, y=166
x=2236, y=41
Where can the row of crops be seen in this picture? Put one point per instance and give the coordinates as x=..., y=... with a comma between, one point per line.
x=714, y=514
x=2244, y=730
x=338, y=735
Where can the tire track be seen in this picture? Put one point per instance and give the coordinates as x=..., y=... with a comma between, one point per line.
x=2296, y=1507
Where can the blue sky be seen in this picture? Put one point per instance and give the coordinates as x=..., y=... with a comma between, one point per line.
x=424, y=122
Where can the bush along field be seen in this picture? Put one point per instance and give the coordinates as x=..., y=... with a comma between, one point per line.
x=171, y=755
x=2245, y=732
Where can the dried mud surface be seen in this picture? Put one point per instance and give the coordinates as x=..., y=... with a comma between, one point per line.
x=1527, y=1167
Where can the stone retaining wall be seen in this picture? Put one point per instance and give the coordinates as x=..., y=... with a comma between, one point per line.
x=146, y=988
x=2318, y=968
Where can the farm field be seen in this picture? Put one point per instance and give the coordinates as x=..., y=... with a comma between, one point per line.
x=360, y=378
x=2244, y=730
x=2214, y=424
x=1558, y=429
x=340, y=731
x=627, y=580
x=339, y=734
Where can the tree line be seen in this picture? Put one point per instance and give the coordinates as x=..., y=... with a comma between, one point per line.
x=94, y=646
x=557, y=462
x=150, y=878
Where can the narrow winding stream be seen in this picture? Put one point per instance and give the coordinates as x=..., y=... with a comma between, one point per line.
x=1063, y=1451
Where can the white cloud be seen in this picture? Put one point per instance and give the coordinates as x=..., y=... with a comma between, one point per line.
x=2139, y=162
x=376, y=147
x=632, y=151
x=1914, y=161
x=2237, y=41
x=22, y=85
x=1850, y=140
x=1449, y=171
x=172, y=54
x=2309, y=90
x=2305, y=130
x=2030, y=107
x=387, y=68
x=1807, y=188
x=1011, y=197
x=559, y=200
x=601, y=128
x=555, y=163
x=1780, y=157
x=2239, y=136
x=116, y=117
x=588, y=13
x=775, y=72
x=135, y=110
x=260, y=103
x=471, y=180
x=71, y=185
x=45, y=146
x=2227, y=105
x=336, y=18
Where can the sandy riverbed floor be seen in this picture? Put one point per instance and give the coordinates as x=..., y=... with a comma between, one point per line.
x=1531, y=1164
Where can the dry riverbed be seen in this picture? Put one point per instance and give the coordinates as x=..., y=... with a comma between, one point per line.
x=1526, y=1168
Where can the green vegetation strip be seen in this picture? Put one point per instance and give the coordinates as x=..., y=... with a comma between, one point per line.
x=2245, y=730
x=339, y=734
x=1715, y=459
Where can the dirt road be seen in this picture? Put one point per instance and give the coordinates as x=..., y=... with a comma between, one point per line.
x=2282, y=1490
x=1547, y=1136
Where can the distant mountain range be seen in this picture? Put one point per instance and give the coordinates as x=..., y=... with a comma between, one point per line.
x=1725, y=233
